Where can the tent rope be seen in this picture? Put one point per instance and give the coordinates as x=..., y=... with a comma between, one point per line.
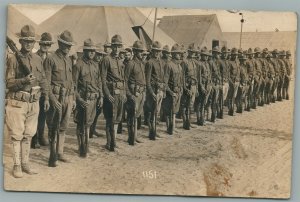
x=147, y=17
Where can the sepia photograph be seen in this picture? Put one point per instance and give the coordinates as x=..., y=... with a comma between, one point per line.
x=149, y=101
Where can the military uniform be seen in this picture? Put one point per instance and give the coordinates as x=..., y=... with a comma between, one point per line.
x=58, y=69
x=174, y=89
x=277, y=76
x=156, y=86
x=86, y=73
x=204, y=88
x=22, y=101
x=242, y=94
x=250, y=64
x=282, y=75
x=287, y=79
x=269, y=92
x=113, y=83
x=190, y=86
x=258, y=78
x=234, y=81
x=135, y=83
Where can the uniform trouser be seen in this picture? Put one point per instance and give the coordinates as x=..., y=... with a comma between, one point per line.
x=255, y=92
x=94, y=124
x=21, y=119
x=214, y=101
x=279, y=87
x=58, y=122
x=268, y=88
x=170, y=107
x=153, y=108
x=202, y=104
x=134, y=110
x=223, y=97
x=242, y=98
x=232, y=92
x=187, y=103
x=274, y=89
x=84, y=119
x=41, y=123
x=285, y=89
x=113, y=115
x=261, y=92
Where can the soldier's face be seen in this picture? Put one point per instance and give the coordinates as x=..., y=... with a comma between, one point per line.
x=27, y=45
x=204, y=57
x=89, y=54
x=121, y=55
x=156, y=53
x=45, y=47
x=107, y=49
x=224, y=55
x=65, y=48
x=127, y=56
x=250, y=56
x=191, y=54
x=138, y=54
x=98, y=57
x=176, y=56
x=233, y=56
x=115, y=49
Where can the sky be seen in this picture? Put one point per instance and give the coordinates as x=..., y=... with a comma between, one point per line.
x=229, y=22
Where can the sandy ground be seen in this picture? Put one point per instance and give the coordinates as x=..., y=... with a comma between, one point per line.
x=247, y=155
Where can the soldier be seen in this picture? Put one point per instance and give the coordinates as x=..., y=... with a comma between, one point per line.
x=155, y=81
x=258, y=79
x=250, y=64
x=224, y=79
x=288, y=75
x=135, y=84
x=242, y=94
x=265, y=70
x=174, y=88
x=216, y=81
x=89, y=95
x=277, y=71
x=271, y=76
x=190, y=85
x=204, y=86
x=127, y=56
x=25, y=82
x=234, y=80
x=282, y=74
x=58, y=69
x=39, y=138
x=113, y=81
x=107, y=48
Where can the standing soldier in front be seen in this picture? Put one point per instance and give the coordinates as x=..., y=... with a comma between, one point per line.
x=174, y=80
x=39, y=138
x=155, y=81
x=112, y=76
x=287, y=79
x=234, y=80
x=242, y=94
x=135, y=84
x=190, y=85
x=25, y=82
x=58, y=68
x=282, y=74
x=88, y=93
x=224, y=78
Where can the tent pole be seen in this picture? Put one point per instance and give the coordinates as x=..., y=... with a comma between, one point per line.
x=154, y=25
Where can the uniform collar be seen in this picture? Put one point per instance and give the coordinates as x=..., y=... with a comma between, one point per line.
x=60, y=54
x=86, y=60
x=25, y=53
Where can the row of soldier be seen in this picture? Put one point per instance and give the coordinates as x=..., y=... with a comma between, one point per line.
x=163, y=83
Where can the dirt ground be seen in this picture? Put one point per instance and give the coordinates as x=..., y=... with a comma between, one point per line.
x=247, y=155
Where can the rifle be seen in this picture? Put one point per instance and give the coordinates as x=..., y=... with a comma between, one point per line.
x=54, y=137
x=11, y=44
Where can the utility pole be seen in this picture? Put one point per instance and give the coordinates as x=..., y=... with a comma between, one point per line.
x=241, y=34
x=154, y=24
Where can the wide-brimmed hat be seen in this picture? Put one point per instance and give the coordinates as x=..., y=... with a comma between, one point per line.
x=46, y=38
x=257, y=50
x=27, y=33
x=176, y=48
x=66, y=37
x=224, y=49
x=88, y=44
x=107, y=45
x=166, y=49
x=234, y=51
x=240, y=51
x=250, y=51
x=265, y=50
x=204, y=51
x=138, y=45
x=192, y=47
x=275, y=51
x=116, y=40
x=216, y=49
x=156, y=45
x=100, y=49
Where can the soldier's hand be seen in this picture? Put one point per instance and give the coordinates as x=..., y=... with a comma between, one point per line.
x=100, y=102
x=84, y=104
x=46, y=105
x=73, y=105
x=111, y=99
x=29, y=79
x=57, y=105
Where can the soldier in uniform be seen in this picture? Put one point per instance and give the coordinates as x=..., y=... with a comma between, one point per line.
x=216, y=83
x=282, y=74
x=271, y=76
x=224, y=79
x=107, y=48
x=287, y=79
x=242, y=94
x=258, y=79
x=265, y=70
x=113, y=81
x=276, y=78
x=25, y=82
x=58, y=69
x=250, y=64
x=99, y=55
x=39, y=138
x=190, y=85
x=234, y=80
x=155, y=81
x=204, y=86
x=135, y=84
x=89, y=95
x=174, y=88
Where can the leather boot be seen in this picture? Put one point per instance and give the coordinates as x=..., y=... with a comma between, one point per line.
x=25, y=149
x=53, y=154
x=108, y=138
x=16, y=149
x=34, y=142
